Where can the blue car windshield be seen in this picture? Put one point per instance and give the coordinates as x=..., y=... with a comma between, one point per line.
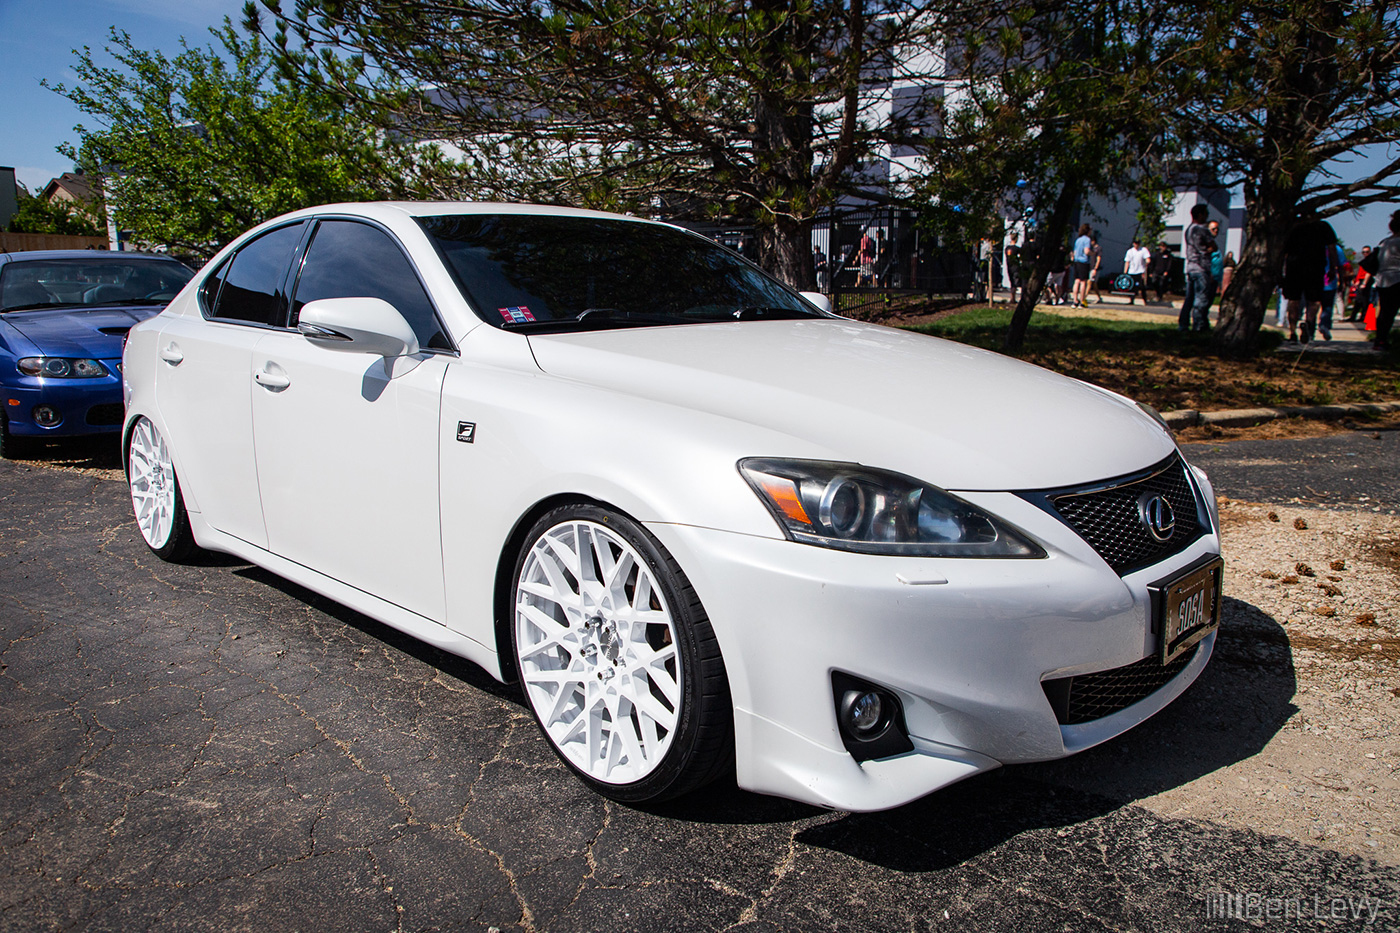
x=48, y=283
x=549, y=273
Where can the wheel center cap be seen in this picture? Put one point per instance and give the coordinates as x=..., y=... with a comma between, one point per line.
x=600, y=637
x=609, y=642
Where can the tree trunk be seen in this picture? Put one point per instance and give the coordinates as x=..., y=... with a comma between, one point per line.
x=1051, y=238
x=785, y=251
x=1271, y=213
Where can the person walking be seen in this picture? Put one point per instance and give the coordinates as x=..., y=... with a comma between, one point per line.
x=1159, y=270
x=1135, y=262
x=1199, y=245
x=1361, y=292
x=1095, y=266
x=1227, y=273
x=1305, y=261
x=1013, y=265
x=1387, y=283
x=1217, y=262
x=1333, y=280
x=1082, y=248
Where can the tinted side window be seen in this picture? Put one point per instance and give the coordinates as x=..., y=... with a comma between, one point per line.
x=253, y=286
x=354, y=260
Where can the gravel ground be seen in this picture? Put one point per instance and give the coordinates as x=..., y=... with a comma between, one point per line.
x=1317, y=589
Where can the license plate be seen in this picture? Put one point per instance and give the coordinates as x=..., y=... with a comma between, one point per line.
x=1189, y=609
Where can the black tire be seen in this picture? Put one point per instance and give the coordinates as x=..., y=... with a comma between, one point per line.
x=12, y=447
x=702, y=744
x=178, y=544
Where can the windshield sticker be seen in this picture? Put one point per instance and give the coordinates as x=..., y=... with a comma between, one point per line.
x=518, y=315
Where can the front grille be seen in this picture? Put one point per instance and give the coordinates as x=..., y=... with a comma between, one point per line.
x=108, y=414
x=1092, y=696
x=1108, y=516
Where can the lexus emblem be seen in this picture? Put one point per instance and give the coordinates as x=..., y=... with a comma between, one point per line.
x=1157, y=515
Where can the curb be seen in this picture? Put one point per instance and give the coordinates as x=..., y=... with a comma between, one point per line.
x=1248, y=417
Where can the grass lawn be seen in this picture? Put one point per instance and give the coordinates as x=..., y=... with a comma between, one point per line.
x=1154, y=363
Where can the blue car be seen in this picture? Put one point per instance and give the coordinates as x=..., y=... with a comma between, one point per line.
x=64, y=315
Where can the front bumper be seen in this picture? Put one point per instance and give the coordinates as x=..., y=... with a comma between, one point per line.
x=84, y=406
x=964, y=644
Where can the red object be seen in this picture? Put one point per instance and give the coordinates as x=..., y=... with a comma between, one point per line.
x=1371, y=316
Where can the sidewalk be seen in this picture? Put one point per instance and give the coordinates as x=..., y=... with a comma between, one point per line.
x=1347, y=336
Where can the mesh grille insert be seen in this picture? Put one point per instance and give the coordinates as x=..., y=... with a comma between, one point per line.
x=1111, y=520
x=1092, y=696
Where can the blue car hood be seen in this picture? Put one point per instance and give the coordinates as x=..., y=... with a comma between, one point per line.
x=81, y=333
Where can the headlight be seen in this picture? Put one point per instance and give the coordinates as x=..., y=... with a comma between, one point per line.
x=853, y=508
x=53, y=367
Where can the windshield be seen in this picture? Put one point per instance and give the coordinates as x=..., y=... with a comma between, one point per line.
x=44, y=283
x=530, y=272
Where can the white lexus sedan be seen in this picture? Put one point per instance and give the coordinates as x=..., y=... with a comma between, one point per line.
x=708, y=526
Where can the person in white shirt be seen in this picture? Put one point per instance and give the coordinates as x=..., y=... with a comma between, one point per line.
x=1135, y=264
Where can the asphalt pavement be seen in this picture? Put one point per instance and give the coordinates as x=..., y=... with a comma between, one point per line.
x=208, y=747
x=1358, y=469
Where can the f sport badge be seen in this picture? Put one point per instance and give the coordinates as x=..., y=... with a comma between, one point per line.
x=466, y=431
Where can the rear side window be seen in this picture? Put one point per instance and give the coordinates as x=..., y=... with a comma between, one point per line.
x=354, y=260
x=252, y=282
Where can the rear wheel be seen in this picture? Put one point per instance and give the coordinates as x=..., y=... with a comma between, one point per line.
x=155, y=494
x=617, y=657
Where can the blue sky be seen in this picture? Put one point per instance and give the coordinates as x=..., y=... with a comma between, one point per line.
x=36, y=41
x=37, y=38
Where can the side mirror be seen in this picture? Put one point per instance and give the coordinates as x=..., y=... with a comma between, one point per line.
x=818, y=299
x=357, y=325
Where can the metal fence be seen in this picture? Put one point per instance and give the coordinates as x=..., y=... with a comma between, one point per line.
x=871, y=261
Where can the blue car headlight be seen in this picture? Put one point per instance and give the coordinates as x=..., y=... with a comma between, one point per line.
x=54, y=367
x=854, y=508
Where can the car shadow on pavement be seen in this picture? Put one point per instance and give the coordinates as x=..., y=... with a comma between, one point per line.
x=1238, y=704
x=1231, y=712
x=449, y=664
x=94, y=452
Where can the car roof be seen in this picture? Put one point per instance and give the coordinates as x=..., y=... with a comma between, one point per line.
x=90, y=255
x=383, y=209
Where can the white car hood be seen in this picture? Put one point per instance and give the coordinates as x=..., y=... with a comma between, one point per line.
x=942, y=412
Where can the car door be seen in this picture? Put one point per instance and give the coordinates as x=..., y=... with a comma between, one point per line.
x=204, y=383
x=347, y=442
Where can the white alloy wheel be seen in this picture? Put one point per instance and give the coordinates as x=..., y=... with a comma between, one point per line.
x=155, y=493
x=597, y=648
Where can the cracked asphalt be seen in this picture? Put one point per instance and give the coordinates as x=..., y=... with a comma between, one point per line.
x=211, y=748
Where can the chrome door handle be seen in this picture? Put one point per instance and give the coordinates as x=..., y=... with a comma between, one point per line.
x=271, y=380
x=171, y=354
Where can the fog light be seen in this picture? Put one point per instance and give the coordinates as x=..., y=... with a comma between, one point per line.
x=870, y=718
x=863, y=711
x=46, y=416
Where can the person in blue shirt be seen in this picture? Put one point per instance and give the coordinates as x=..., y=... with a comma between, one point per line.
x=1082, y=248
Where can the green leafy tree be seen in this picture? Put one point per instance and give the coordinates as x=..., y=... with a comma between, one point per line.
x=1269, y=94
x=35, y=215
x=1049, y=108
x=756, y=109
x=199, y=147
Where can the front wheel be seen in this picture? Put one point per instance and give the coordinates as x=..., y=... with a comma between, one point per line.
x=155, y=494
x=617, y=657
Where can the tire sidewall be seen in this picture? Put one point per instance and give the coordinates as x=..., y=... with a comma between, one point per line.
x=671, y=771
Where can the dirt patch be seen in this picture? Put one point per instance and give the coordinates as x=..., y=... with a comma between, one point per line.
x=1282, y=428
x=1331, y=773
